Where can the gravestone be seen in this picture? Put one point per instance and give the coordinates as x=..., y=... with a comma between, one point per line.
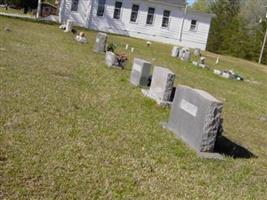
x=161, y=88
x=186, y=56
x=175, y=51
x=141, y=72
x=101, y=42
x=69, y=25
x=197, y=52
x=182, y=52
x=196, y=117
x=110, y=59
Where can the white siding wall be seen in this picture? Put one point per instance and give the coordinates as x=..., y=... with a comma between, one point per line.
x=139, y=29
x=198, y=38
x=81, y=16
x=84, y=17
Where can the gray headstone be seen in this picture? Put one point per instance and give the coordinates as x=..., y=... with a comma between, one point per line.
x=101, y=42
x=197, y=52
x=175, y=51
x=161, y=86
x=110, y=58
x=196, y=118
x=141, y=72
x=186, y=56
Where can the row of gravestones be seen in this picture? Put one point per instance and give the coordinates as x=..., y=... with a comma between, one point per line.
x=196, y=116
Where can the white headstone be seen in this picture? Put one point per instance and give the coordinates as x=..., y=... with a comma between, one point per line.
x=141, y=72
x=175, y=51
x=110, y=58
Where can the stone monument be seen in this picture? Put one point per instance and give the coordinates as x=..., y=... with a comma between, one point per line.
x=101, y=42
x=161, y=88
x=110, y=59
x=197, y=52
x=196, y=117
x=141, y=72
x=175, y=51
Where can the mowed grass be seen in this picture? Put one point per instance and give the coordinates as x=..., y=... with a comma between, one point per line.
x=70, y=128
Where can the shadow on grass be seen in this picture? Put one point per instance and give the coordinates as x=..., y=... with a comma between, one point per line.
x=228, y=148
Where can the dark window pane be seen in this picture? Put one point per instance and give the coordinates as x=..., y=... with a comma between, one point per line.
x=134, y=14
x=101, y=7
x=193, y=26
x=150, y=16
x=166, y=13
x=117, y=10
x=166, y=18
x=74, y=5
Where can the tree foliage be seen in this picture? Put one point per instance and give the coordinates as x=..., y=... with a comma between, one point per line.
x=236, y=29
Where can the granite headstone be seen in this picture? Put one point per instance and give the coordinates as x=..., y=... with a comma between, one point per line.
x=161, y=88
x=141, y=72
x=196, y=117
x=101, y=42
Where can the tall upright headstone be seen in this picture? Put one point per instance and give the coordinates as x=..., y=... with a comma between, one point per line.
x=175, y=51
x=161, y=88
x=196, y=117
x=69, y=25
x=141, y=72
x=101, y=42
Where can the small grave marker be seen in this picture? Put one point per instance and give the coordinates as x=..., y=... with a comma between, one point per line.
x=175, y=51
x=141, y=72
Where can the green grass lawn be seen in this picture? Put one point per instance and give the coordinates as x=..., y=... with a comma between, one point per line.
x=70, y=128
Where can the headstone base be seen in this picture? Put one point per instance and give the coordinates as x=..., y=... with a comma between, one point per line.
x=204, y=155
x=160, y=102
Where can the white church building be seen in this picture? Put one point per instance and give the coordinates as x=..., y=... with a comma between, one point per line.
x=167, y=21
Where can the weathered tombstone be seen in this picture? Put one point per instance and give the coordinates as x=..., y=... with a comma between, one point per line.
x=182, y=52
x=110, y=59
x=161, y=88
x=175, y=51
x=196, y=117
x=197, y=52
x=101, y=42
x=69, y=25
x=141, y=72
x=187, y=56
